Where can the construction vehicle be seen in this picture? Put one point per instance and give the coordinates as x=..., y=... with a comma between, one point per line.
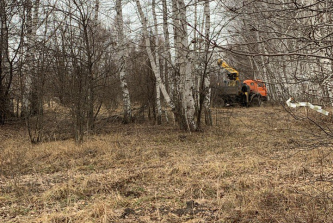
x=233, y=91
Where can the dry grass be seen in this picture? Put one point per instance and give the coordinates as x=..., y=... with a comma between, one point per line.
x=254, y=165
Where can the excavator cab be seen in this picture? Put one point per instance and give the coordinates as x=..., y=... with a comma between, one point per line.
x=232, y=76
x=257, y=86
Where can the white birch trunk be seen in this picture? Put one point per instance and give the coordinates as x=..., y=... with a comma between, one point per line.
x=207, y=90
x=179, y=116
x=196, y=58
x=176, y=30
x=156, y=69
x=157, y=61
x=122, y=64
x=32, y=21
x=186, y=70
x=167, y=53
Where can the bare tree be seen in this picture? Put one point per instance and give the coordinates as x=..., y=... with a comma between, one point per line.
x=123, y=53
x=156, y=69
x=204, y=80
x=81, y=49
x=183, y=59
x=32, y=104
x=157, y=61
x=167, y=48
x=8, y=55
x=4, y=87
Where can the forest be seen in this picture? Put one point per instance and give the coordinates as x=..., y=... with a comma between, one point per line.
x=109, y=111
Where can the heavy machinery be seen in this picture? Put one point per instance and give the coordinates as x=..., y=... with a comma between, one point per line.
x=233, y=91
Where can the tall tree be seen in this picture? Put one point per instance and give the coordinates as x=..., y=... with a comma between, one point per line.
x=122, y=63
x=157, y=61
x=205, y=86
x=4, y=55
x=156, y=69
x=185, y=67
x=167, y=50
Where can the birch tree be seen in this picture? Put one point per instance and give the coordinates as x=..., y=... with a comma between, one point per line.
x=185, y=67
x=122, y=64
x=185, y=108
x=155, y=69
x=30, y=96
x=167, y=48
x=157, y=61
x=205, y=91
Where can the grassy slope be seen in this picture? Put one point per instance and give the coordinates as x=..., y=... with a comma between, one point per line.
x=255, y=165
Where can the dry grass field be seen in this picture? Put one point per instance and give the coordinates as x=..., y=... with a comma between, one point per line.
x=253, y=165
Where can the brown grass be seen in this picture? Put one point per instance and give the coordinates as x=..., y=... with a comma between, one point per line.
x=253, y=165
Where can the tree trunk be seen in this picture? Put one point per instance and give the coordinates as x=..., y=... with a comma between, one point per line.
x=31, y=101
x=3, y=56
x=167, y=54
x=188, y=103
x=156, y=69
x=206, y=79
x=122, y=65
x=34, y=83
x=157, y=61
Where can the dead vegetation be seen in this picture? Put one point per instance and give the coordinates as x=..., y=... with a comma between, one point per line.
x=253, y=165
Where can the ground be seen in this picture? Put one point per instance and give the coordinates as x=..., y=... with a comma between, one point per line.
x=253, y=165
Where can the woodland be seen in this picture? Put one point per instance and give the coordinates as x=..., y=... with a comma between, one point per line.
x=160, y=58
x=108, y=111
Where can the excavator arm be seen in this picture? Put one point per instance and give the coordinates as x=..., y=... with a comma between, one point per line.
x=233, y=74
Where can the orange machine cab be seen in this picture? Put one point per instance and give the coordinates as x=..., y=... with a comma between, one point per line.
x=257, y=86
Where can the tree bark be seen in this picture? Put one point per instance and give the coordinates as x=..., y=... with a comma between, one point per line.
x=157, y=61
x=167, y=54
x=188, y=103
x=206, y=82
x=127, y=111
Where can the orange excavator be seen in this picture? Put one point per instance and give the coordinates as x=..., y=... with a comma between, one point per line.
x=248, y=92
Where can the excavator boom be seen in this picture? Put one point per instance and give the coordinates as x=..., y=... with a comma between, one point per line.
x=234, y=73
